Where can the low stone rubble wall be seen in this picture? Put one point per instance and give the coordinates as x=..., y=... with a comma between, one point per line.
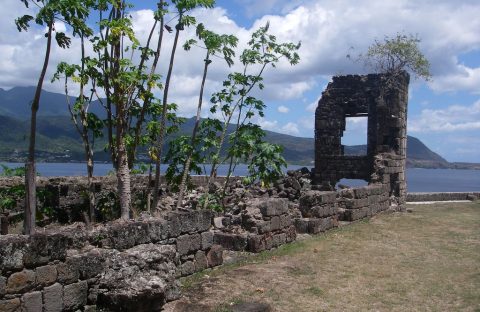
x=443, y=196
x=361, y=202
x=67, y=197
x=135, y=265
x=263, y=225
x=128, y=266
x=319, y=212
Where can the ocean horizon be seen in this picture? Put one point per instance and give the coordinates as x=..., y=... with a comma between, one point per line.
x=418, y=179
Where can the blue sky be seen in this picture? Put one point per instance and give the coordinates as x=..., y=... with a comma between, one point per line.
x=443, y=113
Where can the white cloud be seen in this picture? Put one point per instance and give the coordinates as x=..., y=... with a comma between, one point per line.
x=267, y=124
x=462, y=79
x=326, y=28
x=283, y=109
x=290, y=128
x=312, y=106
x=453, y=118
x=293, y=90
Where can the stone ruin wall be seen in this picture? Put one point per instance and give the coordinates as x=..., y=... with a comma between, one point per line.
x=383, y=99
x=136, y=264
x=68, y=195
x=128, y=266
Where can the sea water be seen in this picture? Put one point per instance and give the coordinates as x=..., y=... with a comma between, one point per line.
x=418, y=180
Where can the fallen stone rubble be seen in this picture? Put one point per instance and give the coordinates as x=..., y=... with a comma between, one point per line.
x=135, y=265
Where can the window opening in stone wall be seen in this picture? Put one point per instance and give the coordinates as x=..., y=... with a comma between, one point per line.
x=355, y=136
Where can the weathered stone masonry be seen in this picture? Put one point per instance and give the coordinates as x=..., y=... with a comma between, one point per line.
x=383, y=99
x=122, y=266
x=134, y=266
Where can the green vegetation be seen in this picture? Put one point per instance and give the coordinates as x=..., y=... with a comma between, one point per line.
x=135, y=114
x=46, y=14
x=394, y=55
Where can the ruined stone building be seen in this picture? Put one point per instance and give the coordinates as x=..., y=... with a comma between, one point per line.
x=383, y=99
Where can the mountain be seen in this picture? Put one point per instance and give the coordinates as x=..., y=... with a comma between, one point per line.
x=16, y=103
x=57, y=139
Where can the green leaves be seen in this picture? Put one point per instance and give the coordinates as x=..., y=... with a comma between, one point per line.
x=393, y=55
x=267, y=163
x=12, y=172
x=187, y=5
x=62, y=40
x=264, y=49
x=9, y=196
x=23, y=21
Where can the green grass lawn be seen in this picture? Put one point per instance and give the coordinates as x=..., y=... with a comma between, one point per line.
x=428, y=260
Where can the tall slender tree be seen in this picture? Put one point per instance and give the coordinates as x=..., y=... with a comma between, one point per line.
x=49, y=12
x=184, y=20
x=235, y=99
x=214, y=44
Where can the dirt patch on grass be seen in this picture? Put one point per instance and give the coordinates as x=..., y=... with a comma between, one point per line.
x=428, y=260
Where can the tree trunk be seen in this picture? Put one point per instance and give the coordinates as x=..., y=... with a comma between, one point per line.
x=186, y=168
x=30, y=174
x=161, y=135
x=91, y=185
x=123, y=179
x=121, y=157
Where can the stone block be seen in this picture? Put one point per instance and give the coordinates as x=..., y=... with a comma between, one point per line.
x=158, y=230
x=10, y=305
x=275, y=223
x=12, y=251
x=215, y=256
x=361, y=192
x=67, y=272
x=20, y=282
x=279, y=239
x=314, y=225
x=273, y=206
x=256, y=243
x=320, y=211
x=356, y=203
x=53, y=298
x=43, y=248
x=189, y=222
x=203, y=220
x=263, y=226
x=143, y=233
x=311, y=199
x=186, y=268
x=302, y=225
x=32, y=302
x=46, y=275
x=119, y=236
x=207, y=240
x=90, y=264
x=75, y=295
x=188, y=243
x=3, y=285
x=200, y=261
x=285, y=220
x=230, y=241
x=356, y=214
